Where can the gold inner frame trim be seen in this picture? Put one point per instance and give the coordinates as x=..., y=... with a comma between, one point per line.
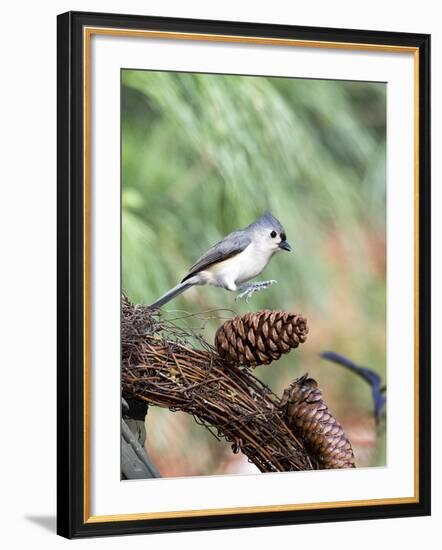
x=87, y=34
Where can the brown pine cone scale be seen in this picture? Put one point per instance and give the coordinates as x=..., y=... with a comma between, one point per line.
x=307, y=414
x=259, y=338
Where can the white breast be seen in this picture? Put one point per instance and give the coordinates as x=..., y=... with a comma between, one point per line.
x=244, y=266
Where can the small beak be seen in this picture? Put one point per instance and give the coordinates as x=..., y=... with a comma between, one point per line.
x=284, y=245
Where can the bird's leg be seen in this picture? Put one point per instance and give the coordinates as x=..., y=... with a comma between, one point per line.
x=247, y=291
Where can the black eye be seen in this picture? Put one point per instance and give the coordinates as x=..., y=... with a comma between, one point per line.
x=273, y=234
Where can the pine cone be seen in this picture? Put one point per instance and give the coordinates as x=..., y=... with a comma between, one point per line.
x=259, y=338
x=308, y=415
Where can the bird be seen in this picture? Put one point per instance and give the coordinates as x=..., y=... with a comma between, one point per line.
x=236, y=259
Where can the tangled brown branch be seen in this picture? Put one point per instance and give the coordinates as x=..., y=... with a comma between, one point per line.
x=160, y=367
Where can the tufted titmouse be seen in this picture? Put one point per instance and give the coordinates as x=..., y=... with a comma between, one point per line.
x=239, y=257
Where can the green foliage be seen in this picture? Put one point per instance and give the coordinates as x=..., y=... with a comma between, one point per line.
x=203, y=155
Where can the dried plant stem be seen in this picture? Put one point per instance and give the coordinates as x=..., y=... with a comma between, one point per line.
x=233, y=403
x=161, y=368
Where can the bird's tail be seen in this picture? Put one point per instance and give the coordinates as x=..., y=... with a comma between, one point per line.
x=175, y=291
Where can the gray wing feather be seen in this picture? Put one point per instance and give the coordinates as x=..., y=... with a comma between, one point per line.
x=230, y=246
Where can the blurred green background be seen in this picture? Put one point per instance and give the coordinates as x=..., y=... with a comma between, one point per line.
x=203, y=155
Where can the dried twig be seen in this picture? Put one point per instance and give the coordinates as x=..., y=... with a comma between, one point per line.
x=231, y=402
x=160, y=367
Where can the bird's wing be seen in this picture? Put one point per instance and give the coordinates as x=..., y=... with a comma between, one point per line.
x=230, y=246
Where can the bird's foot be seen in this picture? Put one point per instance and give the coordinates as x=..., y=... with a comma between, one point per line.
x=249, y=290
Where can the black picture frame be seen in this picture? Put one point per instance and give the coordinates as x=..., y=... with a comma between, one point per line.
x=72, y=521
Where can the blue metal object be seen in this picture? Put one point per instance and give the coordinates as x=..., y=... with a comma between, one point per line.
x=370, y=376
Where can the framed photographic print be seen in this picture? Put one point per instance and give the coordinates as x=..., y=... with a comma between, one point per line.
x=243, y=274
